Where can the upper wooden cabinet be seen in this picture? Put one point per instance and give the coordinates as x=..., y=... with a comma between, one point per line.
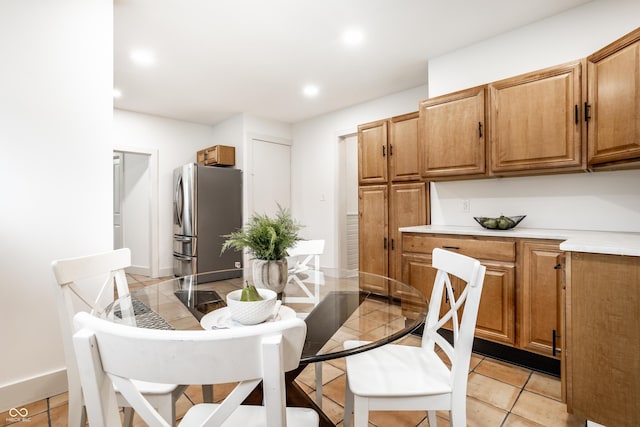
x=404, y=162
x=452, y=135
x=613, y=105
x=388, y=150
x=536, y=124
x=372, y=152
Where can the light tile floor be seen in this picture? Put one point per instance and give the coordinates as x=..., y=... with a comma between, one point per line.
x=498, y=394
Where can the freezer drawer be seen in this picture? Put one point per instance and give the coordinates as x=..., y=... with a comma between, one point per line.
x=185, y=245
x=184, y=265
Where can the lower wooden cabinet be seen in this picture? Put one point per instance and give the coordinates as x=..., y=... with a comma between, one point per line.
x=496, y=315
x=603, y=338
x=382, y=210
x=541, y=298
x=522, y=296
x=373, y=236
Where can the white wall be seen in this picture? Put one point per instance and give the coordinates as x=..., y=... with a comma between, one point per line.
x=315, y=163
x=595, y=201
x=177, y=143
x=56, y=169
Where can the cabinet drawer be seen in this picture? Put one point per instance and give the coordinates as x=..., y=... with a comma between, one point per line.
x=481, y=248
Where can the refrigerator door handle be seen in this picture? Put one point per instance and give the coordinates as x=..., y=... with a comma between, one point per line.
x=182, y=239
x=178, y=204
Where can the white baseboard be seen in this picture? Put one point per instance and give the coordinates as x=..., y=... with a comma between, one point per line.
x=167, y=271
x=18, y=394
x=137, y=269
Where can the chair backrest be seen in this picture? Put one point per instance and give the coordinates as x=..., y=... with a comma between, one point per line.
x=470, y=271
x=87, y=283
x=306, y=251
x=110, y=353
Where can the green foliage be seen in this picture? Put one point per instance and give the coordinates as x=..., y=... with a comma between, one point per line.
x=267, y=238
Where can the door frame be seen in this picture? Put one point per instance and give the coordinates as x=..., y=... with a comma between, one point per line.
x=154, y=251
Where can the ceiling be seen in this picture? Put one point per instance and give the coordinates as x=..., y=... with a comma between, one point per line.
x=217, y=58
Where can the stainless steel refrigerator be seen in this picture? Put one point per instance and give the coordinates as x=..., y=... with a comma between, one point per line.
x=207, y=205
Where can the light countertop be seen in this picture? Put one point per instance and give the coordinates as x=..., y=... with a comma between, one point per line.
x=602, y=242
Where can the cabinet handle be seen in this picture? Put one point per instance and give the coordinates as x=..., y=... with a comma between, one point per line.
x=480, y=129
x=576, y=113
x=558, y=267
x=385, y=243
x=587, y=111
x=450, y=247
x=390, y=150
x=554, y=336
x=446, y=295
x=393, y=244
x=384, y=151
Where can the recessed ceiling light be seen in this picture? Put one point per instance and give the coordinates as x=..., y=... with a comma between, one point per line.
x=117, y=93
x=352, y=37
x=310, y=90
x=143, y=57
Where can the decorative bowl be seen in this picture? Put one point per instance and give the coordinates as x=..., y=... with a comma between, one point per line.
x=251, y=312
x=499, y=223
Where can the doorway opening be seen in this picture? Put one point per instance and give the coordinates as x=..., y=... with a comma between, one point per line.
x=135, y=208
x=348, y=202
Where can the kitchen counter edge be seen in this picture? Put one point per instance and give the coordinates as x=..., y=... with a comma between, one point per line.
x=600, y=242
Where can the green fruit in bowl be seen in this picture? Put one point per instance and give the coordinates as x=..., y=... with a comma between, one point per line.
x=490, y=223
x=250, y=293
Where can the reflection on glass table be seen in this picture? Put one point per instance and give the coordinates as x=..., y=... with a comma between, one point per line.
x=342, y=308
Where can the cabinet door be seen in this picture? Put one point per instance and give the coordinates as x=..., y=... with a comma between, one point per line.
x=535, y=122
x=373, y=238
x=452, y=134
x=418, y=272
x=603, y=331
x=408, y=206
x=541, y=298
x=372, y=153
x=496, y=315
x=403, y=148
x=614, y=99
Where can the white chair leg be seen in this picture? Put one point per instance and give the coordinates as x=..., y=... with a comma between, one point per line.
x=128, y=416
x=76, y=409
x=360, y=411
x=348, y=406
x=433, y=422
x=318, y=369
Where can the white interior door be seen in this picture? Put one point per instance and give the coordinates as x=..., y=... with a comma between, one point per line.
x=270, y=176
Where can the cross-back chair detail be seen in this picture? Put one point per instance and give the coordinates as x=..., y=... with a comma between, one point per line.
x=90, y=283
x=400, y=377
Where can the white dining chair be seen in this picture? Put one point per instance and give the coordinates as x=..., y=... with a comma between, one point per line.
x=111, y=354
x=88, y=283
x=400, y=377
x=304, y=271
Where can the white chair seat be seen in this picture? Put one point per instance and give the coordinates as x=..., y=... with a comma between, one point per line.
x=409, y=371
x=249, y=416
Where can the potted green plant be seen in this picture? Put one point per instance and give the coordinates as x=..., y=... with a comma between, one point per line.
x=267, y=239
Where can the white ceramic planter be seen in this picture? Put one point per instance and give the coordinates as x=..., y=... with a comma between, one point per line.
x=270, y=274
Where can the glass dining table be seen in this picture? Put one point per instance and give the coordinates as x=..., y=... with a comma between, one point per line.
x=336, y=305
